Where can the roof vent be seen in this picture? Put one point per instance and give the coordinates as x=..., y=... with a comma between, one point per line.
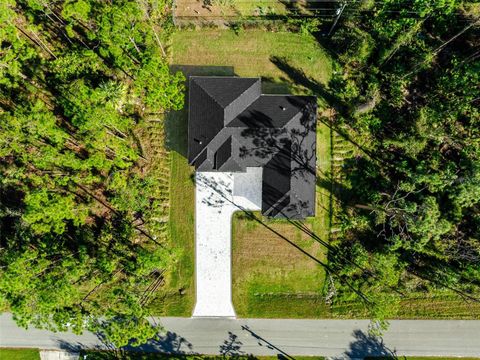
x=283, y=108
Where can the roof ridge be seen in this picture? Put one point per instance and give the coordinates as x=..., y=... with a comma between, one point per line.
x=300, y=110
x=257, y=79
x=293, y=117
x=208, y=93
x=196, y=157
x=231, y=159
x=279, y=201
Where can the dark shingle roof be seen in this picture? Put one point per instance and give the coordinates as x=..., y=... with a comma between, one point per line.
x=225, y=90
x=276, y=184
x=272, y=111
x=233, y=126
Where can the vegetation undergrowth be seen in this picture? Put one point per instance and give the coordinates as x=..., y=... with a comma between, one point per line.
x=406, y=115
x=83, y=201
x=96, y=211
x=403, y=110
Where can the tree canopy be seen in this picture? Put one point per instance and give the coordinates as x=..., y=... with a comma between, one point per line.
x=79, y=248
x=407, y=95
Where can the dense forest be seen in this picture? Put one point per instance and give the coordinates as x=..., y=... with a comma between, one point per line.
x=81, y=230
x=82, y=235
x=407, y=95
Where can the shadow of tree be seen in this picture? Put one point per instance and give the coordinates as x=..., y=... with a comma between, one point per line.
x=379, y=157
x=176, y=130
x=273, y=86
x=326, y=43
x=297, y=76
x=77, y=346
x=365, y=346
x=296, y=143
x=231, y=347
x=219, y=190
x=362, y=174
x=203, y=70
x=170, y=343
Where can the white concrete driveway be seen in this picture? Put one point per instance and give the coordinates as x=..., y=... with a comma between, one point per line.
x=217, y=196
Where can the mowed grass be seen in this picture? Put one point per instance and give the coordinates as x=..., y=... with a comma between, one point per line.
x=442, y=306
x=293, y=287
x=177, y=296
x=272, y=278
x=19, y=354
x=260, y=7
x=250, y=53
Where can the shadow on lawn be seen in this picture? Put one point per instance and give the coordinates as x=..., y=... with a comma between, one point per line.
x=222, y=196
x=298, y=76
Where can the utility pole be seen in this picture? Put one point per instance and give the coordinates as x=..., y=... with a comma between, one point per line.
x=338, y=13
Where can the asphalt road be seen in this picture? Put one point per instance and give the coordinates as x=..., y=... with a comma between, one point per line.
x=335, y=338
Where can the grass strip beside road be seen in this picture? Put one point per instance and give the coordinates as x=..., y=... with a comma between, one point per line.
x=19, y=354
x=130, y=355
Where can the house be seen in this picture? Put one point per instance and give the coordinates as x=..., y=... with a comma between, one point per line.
x=232, y=126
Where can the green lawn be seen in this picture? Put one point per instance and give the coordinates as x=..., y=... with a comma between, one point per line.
x=176, y=297
x=417, y=306
x=110, y=355
x=291, y=288
x=271, y=278
x=261, y=7
x=251, y=53
x=19, y=354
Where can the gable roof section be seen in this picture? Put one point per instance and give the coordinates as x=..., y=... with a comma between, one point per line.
x=268, y=111
x=213, y=102
x=205, y=120
x=224, y=89
x=233, y=126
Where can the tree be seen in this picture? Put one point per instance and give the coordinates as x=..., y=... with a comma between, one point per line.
x=75, y=79
x=410, y=217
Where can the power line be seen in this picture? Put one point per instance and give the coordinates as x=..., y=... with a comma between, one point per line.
x=444, y=44
x=350, y=10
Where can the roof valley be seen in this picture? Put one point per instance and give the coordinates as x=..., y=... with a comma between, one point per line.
x=233, y=126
